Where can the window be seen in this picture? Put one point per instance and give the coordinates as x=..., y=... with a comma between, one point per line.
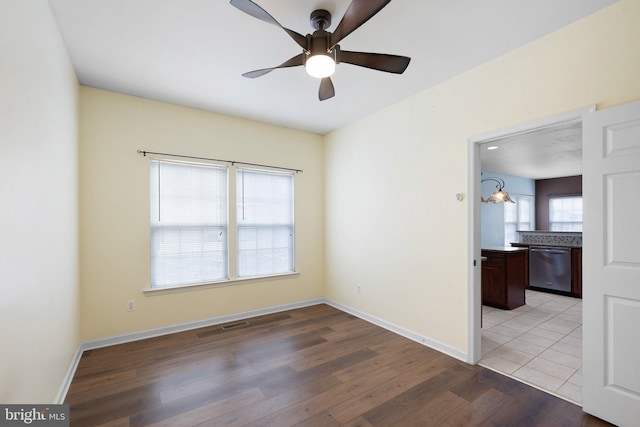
x=188, y=224
x=565, y=213
x=265, y=222
x=517, y=217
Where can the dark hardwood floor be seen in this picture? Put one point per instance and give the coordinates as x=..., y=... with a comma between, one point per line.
x=315, y=366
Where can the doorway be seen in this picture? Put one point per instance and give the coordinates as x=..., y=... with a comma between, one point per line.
x=475, y=166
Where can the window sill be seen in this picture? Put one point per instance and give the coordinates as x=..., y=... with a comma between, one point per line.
x=223, y=283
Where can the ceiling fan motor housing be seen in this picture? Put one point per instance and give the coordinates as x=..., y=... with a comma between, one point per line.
x=320, y=42
x=320, y=19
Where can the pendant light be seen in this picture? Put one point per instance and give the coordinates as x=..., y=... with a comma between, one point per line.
x=498, y=196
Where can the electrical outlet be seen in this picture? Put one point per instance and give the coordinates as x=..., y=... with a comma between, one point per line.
x=358, y=288
x=131, y=305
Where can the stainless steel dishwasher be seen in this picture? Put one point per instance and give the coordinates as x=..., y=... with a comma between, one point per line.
x=550, y=268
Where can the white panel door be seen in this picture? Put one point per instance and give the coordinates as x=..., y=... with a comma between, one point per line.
x=611, y=264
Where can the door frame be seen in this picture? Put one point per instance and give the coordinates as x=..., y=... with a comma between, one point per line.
x=474, y=303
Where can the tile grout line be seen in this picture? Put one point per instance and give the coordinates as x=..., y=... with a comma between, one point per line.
x=504, y=322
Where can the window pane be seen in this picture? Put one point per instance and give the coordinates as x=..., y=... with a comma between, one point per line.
x=517, y=217
x=265, y=223
x=565, y=213
x=188, y=224
x=510, y=234
x=187, y=255
x=524, y=209
x=511, y=211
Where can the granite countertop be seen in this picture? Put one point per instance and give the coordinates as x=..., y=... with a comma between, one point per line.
x=551, y=245
x=505, y=248
x=572, y=233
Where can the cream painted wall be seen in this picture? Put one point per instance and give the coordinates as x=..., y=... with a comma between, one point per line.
x=393, y=223
x=114, y=218
x=39, y=205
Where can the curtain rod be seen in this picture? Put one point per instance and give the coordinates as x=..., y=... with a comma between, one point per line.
x=233, y=162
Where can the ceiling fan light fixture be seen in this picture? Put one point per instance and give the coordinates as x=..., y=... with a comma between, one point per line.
x=321, y=50
x=320, y=66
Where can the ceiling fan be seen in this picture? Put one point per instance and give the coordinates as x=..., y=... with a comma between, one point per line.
x=321, y=51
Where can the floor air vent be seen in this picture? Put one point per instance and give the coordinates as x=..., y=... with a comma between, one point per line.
x=235, y=326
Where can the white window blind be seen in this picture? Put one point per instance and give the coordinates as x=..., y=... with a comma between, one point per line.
x=188, y=224
x=517, y=217
x=565, y=213
x=265, y=221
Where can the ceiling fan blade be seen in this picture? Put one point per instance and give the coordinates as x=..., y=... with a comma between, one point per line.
x=358, y=12
x=250, y=8
x=377, y=61
x=326, y=89
x=293, y=62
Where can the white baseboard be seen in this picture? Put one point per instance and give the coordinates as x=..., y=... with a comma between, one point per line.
x=66, y=381
x=436, y=345
x=151, y=333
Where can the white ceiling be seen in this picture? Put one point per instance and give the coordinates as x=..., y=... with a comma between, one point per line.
x=193, y=52
x=550, y=152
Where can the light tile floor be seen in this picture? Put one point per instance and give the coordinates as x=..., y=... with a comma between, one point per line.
x=539, y=343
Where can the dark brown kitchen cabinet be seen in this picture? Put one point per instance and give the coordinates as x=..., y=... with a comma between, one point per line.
x=504, y=277
x=576, y=272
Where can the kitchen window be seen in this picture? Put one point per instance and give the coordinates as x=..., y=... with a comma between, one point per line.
x=565, y=213
x=190, y=239
x=517, y=217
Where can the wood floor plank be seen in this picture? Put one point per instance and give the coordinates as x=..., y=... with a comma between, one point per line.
x=205, y=413
x=357, y=422
x=109, y=379
x=485, y=407
x=323, y=419
x=122, y=422
x=436, y=411
x=269, y=406
x=281, y=346
x=320, y=402
x=379, y=395
x=477, y=384
x=378, y=363
x=113, y=407
x=160, y=412
x=315, y=366
x=387, y=414
x=322, y=355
